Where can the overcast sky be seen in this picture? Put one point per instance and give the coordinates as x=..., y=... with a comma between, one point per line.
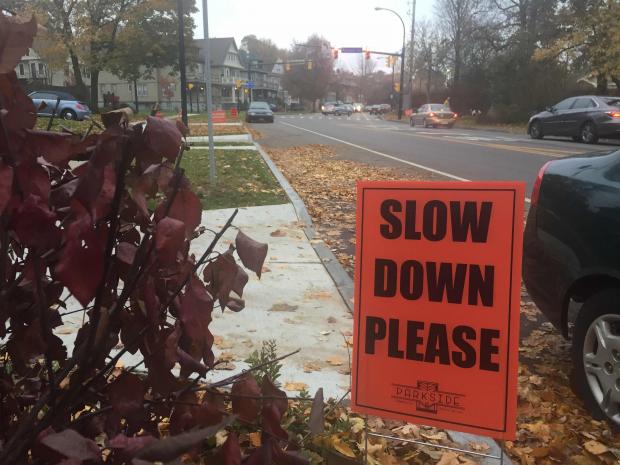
x=345, y=23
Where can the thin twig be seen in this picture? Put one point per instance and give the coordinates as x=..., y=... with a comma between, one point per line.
x=46, y=328
x=232, y=379
x=51, y=121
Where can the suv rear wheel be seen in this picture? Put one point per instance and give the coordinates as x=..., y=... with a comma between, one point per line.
x=596, y=355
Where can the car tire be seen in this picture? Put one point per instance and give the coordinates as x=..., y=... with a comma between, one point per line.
x=68, y=114
x=576, y=138
x=411, y=122
x=272, y=120
x=588, y=133
x=424, y=123
x=598, y=318
x=536, y=131
x=450, y=126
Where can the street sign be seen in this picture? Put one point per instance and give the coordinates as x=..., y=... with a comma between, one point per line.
x=352, y=50
x=438, y=280
x=249, y=85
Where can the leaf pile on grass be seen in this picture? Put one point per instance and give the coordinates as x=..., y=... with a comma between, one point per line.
x=342, y=439
x=553, y=426
x=203, y=130
x=327, y=186
x=243, y=179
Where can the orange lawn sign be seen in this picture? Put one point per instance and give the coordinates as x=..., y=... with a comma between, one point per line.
x=438, y=281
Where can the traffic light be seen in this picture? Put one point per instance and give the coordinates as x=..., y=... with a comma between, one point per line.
x=388, y=61
x=309, y=64
x=367, y=53
x=287, y=67
x=335, y=54
x=397, y=87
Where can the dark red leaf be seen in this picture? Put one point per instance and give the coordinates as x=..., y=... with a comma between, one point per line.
x=230, y=452
x=80, y=267
x=101, y=206
x=172, y=447
x=129, y=446
x=34, y=224
x=6, y=185
x=33, y=179
x=183, y=416
x=55, y=147
x=241, y=279
x=190, y=365
x=184, y=130
x=15, y=40
x=72, y=445
x=18, y=110
x=163, y=137
x=251, y=252
x=277, y=396
x=126, y=252
x=186, y=207
x=127, y=394
x=243, y=403
x=271, y=419
x=316, y=423
x=195, y=316
x=221, y=275
x=235, y=304
x=169, y=239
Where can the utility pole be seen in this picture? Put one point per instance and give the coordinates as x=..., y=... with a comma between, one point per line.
x=180, y=15
x=430, y=72
x=411, y=48
x=205, y=23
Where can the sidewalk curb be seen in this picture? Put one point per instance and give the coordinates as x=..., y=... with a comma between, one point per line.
x=341, y=278
x=345, y=287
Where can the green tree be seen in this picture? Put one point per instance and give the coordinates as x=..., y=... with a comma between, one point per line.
x=264, y=49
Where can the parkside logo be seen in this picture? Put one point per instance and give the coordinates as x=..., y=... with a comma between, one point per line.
x=427, y=397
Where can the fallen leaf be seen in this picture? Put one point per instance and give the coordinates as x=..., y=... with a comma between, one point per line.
x=255, y=439
x=448, y=458
x=309, y=367
x=335, y=361
x=595, y=447
x=292, y=386
x=283, y=307
x=278, y=233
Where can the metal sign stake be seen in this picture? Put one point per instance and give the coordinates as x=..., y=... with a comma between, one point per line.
x=500, y=457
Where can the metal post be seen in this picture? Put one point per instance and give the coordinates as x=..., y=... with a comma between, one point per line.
x=402, y=62
x=411, y=46
x=205, y=21
x=182, y=70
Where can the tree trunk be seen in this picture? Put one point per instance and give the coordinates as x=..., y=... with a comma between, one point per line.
x=601, y=84
x=77, y=75
x=616, y=81
x=135, y=94
x=94, y=90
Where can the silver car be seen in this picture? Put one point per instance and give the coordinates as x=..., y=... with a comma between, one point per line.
x=68, y=107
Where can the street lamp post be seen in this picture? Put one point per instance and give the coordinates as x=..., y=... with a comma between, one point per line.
x=402, y=63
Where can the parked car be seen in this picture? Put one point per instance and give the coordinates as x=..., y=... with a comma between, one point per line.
x=586, y=119
x=571, y=261
x=259, y=111
x=327, y=108
x=343, y=109
x=380, y=109
x=69, y=107
x=433, y=115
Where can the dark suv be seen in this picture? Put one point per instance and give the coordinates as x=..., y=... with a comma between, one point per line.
x=572, y=258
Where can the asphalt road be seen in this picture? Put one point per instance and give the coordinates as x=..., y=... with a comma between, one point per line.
x=454, y=153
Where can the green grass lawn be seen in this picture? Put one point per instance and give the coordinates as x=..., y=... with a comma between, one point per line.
x=79, y=127
x=243, y=179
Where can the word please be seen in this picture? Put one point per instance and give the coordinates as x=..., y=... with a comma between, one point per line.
x=464, y=346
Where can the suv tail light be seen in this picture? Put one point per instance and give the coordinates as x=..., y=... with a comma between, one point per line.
x=537, y=183
x=614, y=114
x=431, y=114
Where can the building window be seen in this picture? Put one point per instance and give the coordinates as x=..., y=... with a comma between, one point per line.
x=226, y=92
x=21, y=69
x=227, y=72
x=41, y=69
x=142, y=90
x=33, y=71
